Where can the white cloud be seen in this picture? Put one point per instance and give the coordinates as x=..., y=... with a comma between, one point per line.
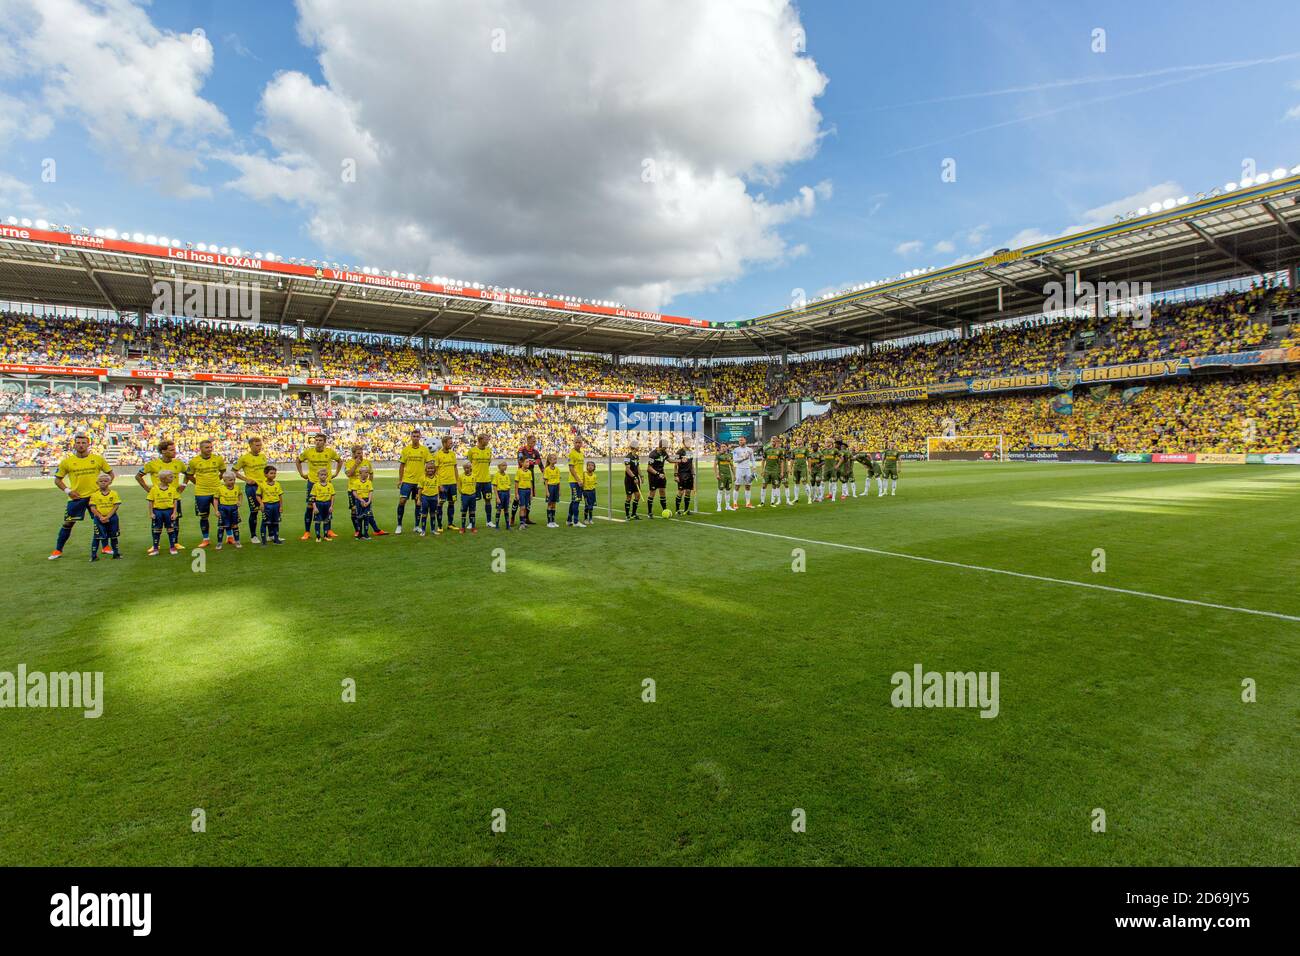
x=945, y=245
x=563, y=162
x=911, y=247
x=134, y=88
x=1107, y=212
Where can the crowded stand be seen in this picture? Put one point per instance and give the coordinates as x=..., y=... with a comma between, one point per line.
x=1226, y=413
x=37, y=418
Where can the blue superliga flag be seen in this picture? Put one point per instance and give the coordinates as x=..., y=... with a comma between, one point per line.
x=632, y=416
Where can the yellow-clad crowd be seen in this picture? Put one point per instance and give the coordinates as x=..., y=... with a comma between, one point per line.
x=1231, y=413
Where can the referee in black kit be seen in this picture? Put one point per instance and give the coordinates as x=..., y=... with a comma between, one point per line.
x=632, y=483
x=657, y=468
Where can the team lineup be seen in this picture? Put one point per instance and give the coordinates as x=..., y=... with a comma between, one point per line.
x=434, y=481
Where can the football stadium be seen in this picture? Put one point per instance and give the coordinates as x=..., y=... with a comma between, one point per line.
x=311, y=560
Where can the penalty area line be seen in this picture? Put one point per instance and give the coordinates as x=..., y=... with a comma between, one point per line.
x=1004, y=571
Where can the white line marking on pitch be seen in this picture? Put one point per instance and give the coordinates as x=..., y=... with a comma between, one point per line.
x=1014, y=574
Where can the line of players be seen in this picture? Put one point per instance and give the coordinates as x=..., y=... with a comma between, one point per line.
x=787, y=466
x=433, y=479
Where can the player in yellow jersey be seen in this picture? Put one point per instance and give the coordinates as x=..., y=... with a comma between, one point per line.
x=429, y=511
x=228, y=498
x=204, y=472
x=589, y=492
x=81, y=469
x=312, y=460
x=468, y=498
x=551, y=477
x=410, y=472
x=480, y=456
x=104, y=504
x=362, y=492
x=270, y=496
x=577, y=468
x=503, y=483
x=322, y=498
x=444, y=459
x=250, y=467
x=523, y=493
x=164, y=502
x=147, y=476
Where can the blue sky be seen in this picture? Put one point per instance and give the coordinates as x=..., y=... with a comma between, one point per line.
x=1183, y=95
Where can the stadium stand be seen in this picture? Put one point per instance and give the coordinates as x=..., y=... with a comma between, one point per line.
x=38, y=415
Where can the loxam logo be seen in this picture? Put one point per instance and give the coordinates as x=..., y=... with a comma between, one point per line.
x=74, y=908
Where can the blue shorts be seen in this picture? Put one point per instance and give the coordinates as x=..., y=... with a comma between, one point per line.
x=271, y=511
x=503, y=500
x=483, y=489
x=109, y=528
x=323, y=508
x=77, y=507
x=552, y=494
x=525, y=496
x=408, y=488
x=447, y=492
x=203, y=505
x=467, y=502
x=229, y=514
x=575, y=489
x=162, y=517
x=589, y=497
x=250, y=492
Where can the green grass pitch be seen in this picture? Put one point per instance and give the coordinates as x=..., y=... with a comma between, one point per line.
x=522, y=690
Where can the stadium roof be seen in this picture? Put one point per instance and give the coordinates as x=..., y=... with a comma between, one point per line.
x=1239, y=232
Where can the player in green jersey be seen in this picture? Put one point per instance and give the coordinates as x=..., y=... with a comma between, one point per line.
x=815, y=472
x=798, y=474
x=773, y=472
x=724, y=470
x=848, y=484
x=889, y=471
x=867, y=461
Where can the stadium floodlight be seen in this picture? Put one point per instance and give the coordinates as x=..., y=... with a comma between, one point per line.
x=12, y=221
x=1142, y=210
x=137, y=237
x=202, y=247
x=99, y=233
x=1247, y=181
x=225, y=250
x=26, y=223
x=151, y=239
x=234, y=250
x=42, y=224
x=1262, y=178
x=1295, y=170
x=164, y=241
x=1279, y=173
x=176, y=243
x=1229, y=187
x=110, y=233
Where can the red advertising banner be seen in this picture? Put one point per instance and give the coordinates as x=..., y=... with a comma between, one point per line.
x=240, y=379
x=251, y=264
x=1179, y=459
x=51, y=370
x=387, y=386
